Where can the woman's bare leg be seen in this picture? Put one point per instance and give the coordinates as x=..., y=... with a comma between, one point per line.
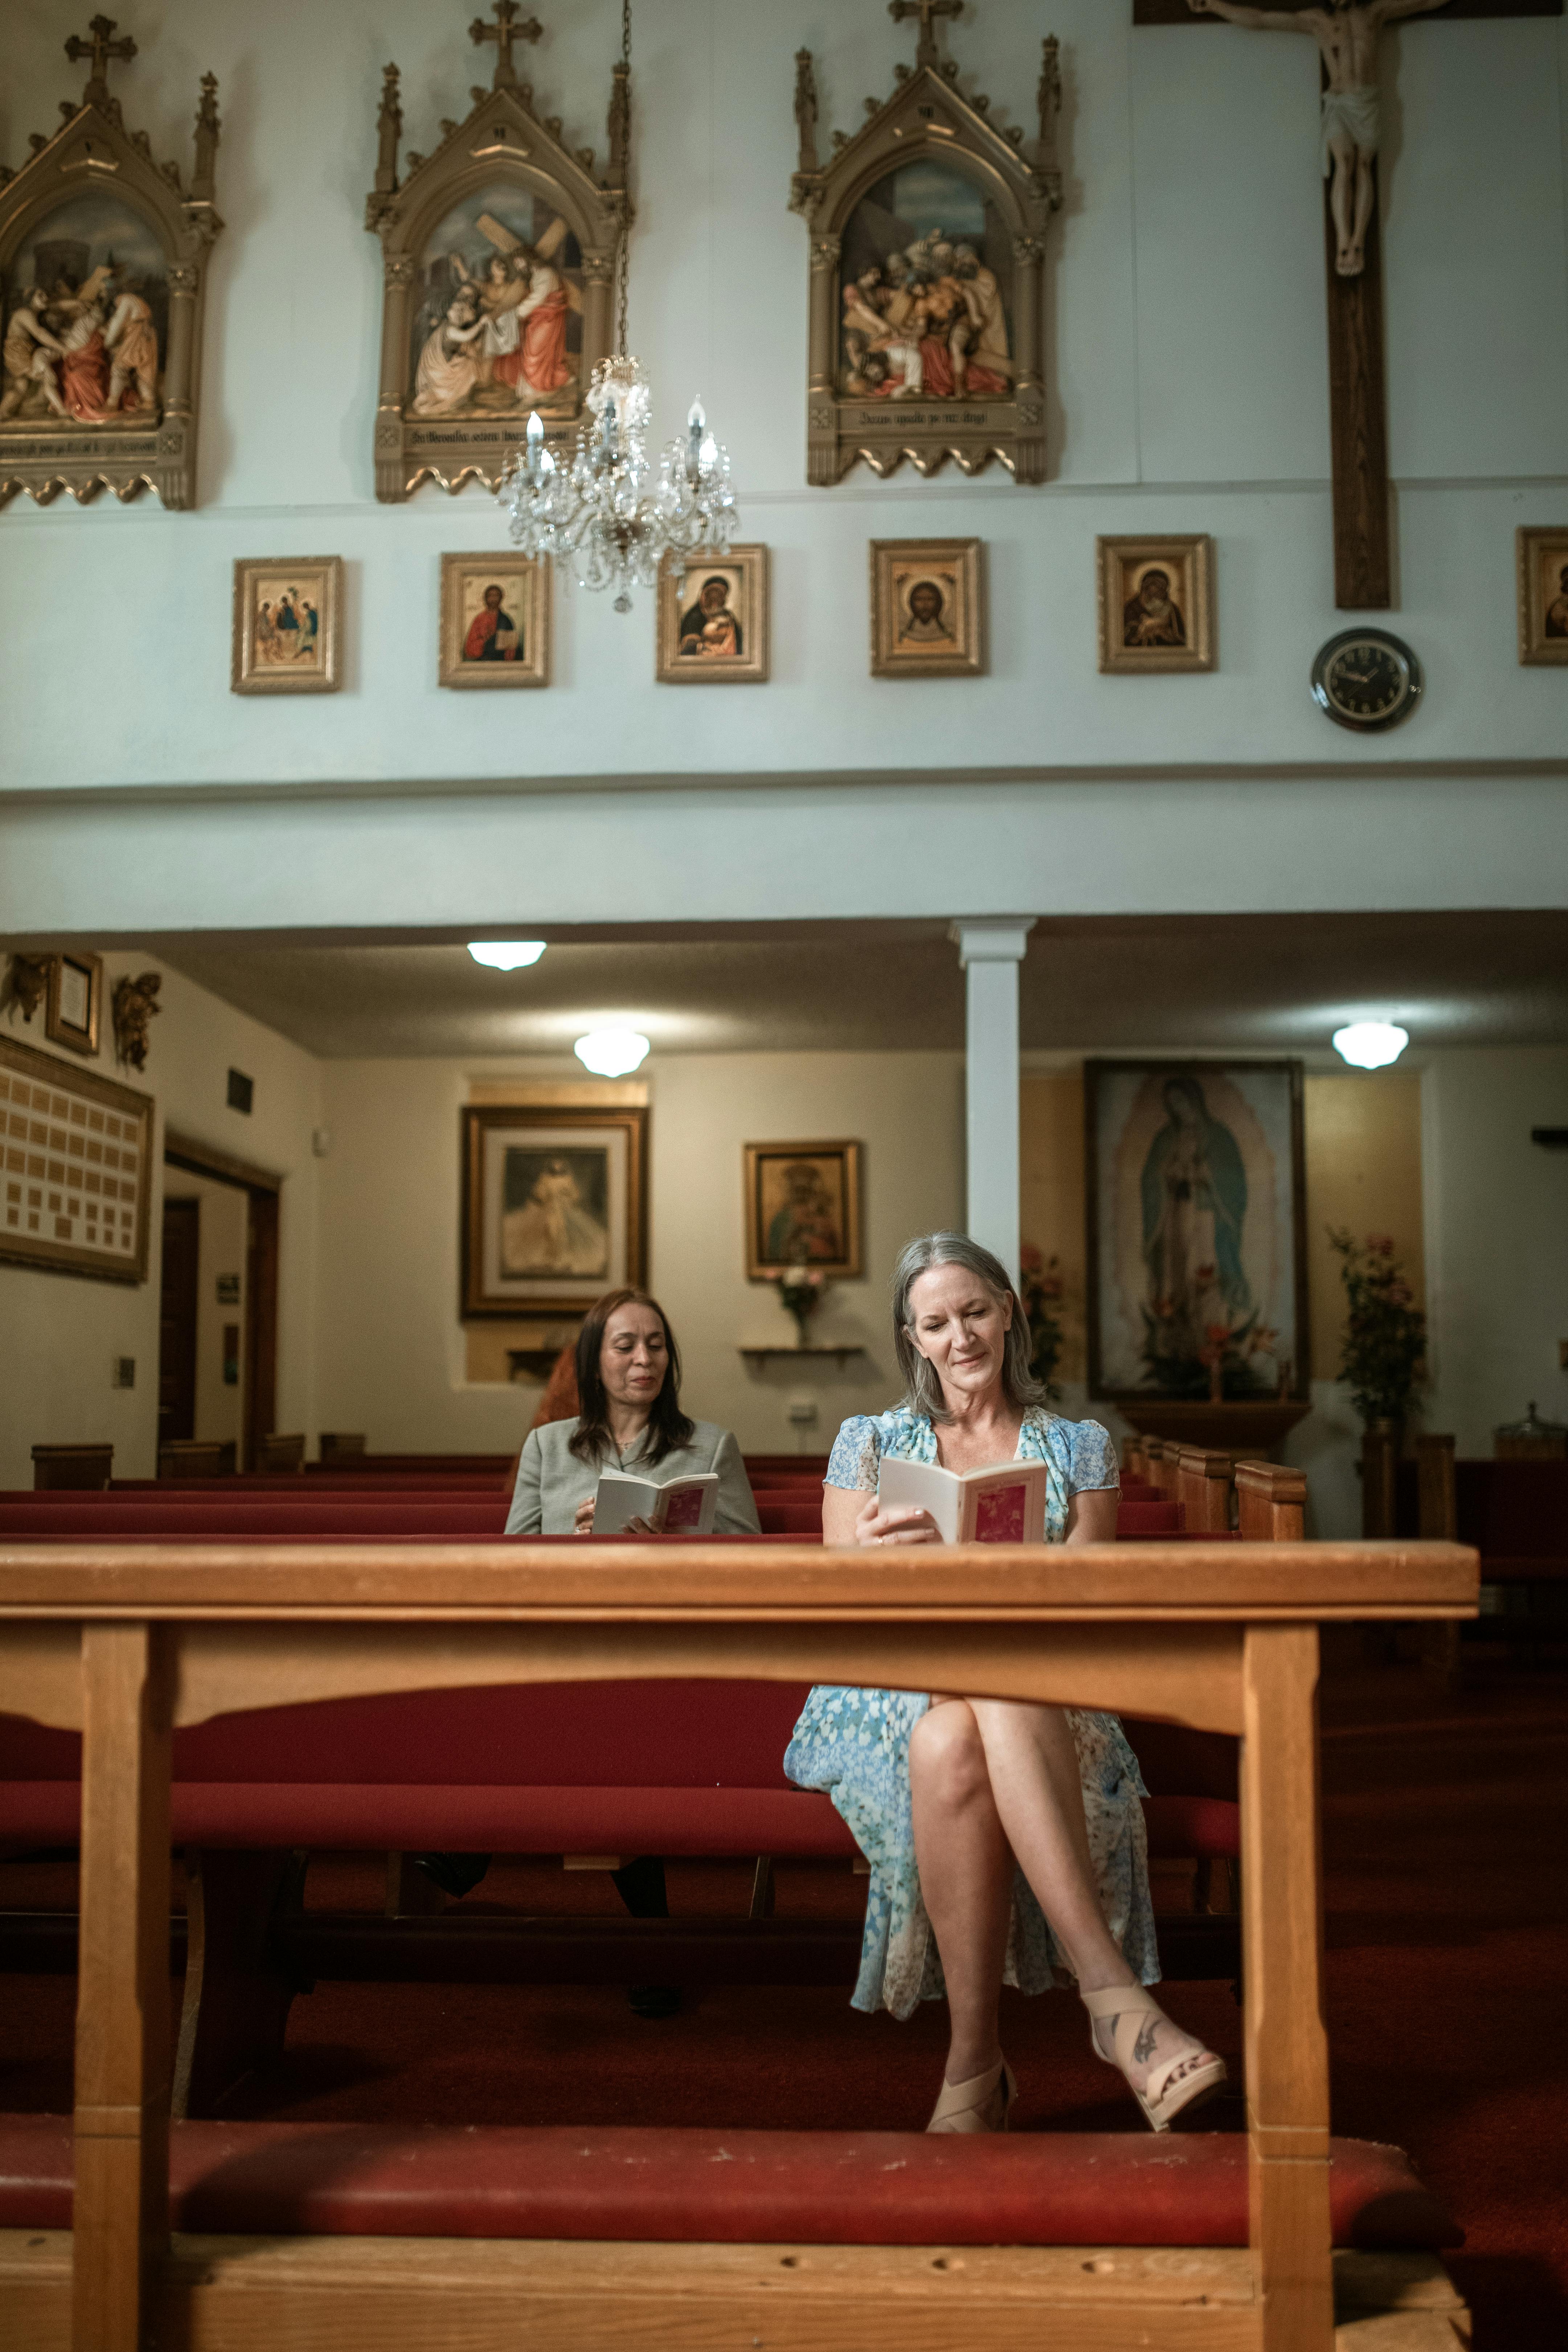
x=1031, y=1763
x=966, y=1879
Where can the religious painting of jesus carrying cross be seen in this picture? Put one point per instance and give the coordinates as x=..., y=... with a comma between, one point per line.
x=497, y=255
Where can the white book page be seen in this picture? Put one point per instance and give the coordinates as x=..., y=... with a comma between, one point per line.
x=619, y=1498
x=685, y=1505
x=925, y=1486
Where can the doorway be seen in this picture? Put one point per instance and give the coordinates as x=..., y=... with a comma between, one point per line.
x=177, y=1314
x=256, y=1313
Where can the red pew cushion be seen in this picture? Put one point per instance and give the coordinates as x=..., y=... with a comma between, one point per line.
x=747, y=2186
x=367, y=1817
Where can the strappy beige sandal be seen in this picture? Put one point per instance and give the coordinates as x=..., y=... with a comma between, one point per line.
x=1161, y=2099
x=981, y=2105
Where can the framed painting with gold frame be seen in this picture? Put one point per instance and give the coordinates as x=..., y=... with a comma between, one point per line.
x=76, y=1173
x=928, y=617
x=1155, y=600
x=803, y=1204
x=95, y=233
x=75, y=1002
x=286, y=624
x=713, y=620
x=555, y=1208
x=495, y=621
x=929, y=218
x=1194, y=1189
x=1542, y=557
x=497, y=260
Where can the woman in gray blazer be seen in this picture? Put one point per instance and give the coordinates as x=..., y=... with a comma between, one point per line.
x=628, y=1384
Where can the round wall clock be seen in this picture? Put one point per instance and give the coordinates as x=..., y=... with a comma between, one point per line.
x=1366, y=679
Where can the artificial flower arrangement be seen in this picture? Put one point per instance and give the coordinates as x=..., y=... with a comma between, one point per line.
x=800, y=1291
x=1384, y=1351
x=1040, y=1283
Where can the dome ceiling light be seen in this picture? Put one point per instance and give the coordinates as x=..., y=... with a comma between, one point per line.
x=506, y=955
x=1370, y=1044
x=611, y=1053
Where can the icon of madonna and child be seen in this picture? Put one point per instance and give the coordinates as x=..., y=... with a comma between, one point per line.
x=499, y=324
x=1202, y=1233
x=925, y=262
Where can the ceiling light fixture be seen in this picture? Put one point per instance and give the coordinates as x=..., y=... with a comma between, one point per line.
x=591, y=511
x=611, y=1053
x=506, y=955
x=1370, y=1044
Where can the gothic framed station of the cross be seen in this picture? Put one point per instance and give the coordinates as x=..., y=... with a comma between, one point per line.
x=1350, y=36
x=926, y=333
x=103, y=273
x=497, y=264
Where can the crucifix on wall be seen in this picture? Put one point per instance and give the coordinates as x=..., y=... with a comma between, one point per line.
x=1348, y=33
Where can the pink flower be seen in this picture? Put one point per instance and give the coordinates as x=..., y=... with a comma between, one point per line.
x=1381, y=1244
x=1029, y=1258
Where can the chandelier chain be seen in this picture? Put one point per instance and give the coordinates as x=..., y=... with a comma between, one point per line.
x=623, y=258
x=590, y=508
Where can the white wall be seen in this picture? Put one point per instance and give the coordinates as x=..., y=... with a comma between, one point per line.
x=1497, y=1246
x=392, y=1351
x=1189, y=375
x=221, y=1229
x=61, y=1331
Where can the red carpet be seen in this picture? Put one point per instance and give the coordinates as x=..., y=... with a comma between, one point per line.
x=1445, y=1835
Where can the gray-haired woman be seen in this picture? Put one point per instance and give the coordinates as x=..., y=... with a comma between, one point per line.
x=1006, y=1840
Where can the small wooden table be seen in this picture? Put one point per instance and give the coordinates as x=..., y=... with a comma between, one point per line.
x=127, y=1643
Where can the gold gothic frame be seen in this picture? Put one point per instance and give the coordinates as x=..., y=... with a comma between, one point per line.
x=928, y=122
x=115, y=407
x=428, y=427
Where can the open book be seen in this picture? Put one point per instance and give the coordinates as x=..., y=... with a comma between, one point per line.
x=684, y=1505
x=1004, y=1503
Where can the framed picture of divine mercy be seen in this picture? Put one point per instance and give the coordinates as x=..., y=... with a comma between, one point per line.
x=1197, y=1257
x=555, y=1208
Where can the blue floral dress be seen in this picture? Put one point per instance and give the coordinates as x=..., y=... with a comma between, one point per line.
x=855, y=1746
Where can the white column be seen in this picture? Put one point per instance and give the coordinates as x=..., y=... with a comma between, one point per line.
x=990, y=954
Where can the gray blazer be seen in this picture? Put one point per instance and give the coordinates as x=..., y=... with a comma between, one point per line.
x=552, y=1481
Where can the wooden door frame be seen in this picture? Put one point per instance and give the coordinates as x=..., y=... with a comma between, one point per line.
x=263, y=1190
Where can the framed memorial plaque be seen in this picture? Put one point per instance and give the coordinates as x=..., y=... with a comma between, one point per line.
x=75, y=1168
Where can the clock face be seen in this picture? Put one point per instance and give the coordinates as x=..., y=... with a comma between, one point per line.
x=1366, y=679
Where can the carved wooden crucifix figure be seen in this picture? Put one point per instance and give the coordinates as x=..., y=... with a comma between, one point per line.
x=100, y=47
x=1347, y=34
x=503, y=32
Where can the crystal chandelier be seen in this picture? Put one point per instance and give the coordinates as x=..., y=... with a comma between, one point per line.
x=596, y=513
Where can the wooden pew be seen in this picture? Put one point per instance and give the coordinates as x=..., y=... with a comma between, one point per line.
x=281, y=1452
x=1205, y=1484
x=71, y=1469
x=1271, y=1503
x=126, y=1643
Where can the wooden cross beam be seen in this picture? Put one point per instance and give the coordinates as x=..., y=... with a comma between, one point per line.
x=1347, y=38
x=926, y=10
x=503, y=32
x=100, y=46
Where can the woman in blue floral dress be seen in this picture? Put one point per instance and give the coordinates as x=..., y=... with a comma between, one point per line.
x=1006, y=1840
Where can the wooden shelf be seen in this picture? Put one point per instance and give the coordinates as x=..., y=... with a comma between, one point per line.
x=800, y=1355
